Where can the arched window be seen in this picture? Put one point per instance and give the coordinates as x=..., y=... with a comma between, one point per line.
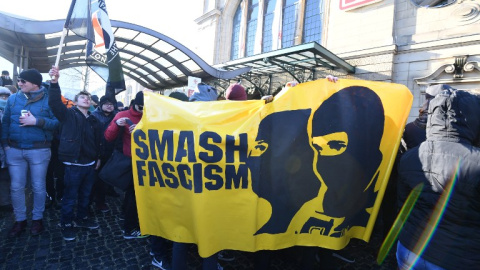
x=268, y=24
x=289, y=22
x=312, y=25
x=236, y=33
x=251, y=26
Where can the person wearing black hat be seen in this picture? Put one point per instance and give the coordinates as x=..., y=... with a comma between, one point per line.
x=27, y=132
x=5, y=79
x=105, y=112
x=95, y=103
x=120, y=106
x=122, y=125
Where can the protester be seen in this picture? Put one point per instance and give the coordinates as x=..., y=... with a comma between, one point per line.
x=415, y=132
x=5, y=78
x=104, y=113
x=413, y=135
x=204, y=92
x=445, y=167
x=159, y=245
x=27, y=131
x=123, y=124
x=235, y=92
x=120, y=106
x=5, y=202
x=12, y=88
x=179, y=95
x=79, y=150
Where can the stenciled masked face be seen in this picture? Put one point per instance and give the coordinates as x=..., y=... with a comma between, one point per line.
x=281, y=167
x=346, y=133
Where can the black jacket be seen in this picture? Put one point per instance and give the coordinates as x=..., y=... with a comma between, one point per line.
x=447, y=157
x=80, y=136
x=107, y=147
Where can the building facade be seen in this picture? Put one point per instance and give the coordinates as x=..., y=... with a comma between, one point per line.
x=412, y=42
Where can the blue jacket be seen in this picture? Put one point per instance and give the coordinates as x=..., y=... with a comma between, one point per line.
x=28, y=137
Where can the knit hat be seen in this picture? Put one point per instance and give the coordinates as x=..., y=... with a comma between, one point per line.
x=236, y=92
x=120, y=104
x=5, y=72
x=139, y=99
x=105, y=99
x=95, y=99
x=179, y=95
x=31, y=75
x=4, y=91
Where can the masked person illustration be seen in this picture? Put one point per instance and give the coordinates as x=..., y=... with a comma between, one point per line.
x=346, y=133
x=281, y=167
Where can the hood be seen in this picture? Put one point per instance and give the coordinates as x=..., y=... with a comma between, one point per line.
x=454, y=116
x=204, y=92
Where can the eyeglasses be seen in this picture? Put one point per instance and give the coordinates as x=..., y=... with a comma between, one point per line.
x=108, y=104
x=21, y=80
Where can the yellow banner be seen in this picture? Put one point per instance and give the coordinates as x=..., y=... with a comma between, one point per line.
x=308, y=169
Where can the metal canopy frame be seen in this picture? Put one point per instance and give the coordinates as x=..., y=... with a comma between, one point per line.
x=299, y=61
x=150, y=58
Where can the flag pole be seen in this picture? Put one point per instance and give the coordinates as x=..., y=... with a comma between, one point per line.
x=64, y=33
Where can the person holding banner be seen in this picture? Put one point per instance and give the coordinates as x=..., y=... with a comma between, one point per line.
x=442, y=230
x=123, y=124
x=203, y=92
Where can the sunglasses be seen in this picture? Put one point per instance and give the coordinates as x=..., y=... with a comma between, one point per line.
x=21, y=80
x=140, y=107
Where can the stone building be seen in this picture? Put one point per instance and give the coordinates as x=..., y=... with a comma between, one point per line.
x=410, y=42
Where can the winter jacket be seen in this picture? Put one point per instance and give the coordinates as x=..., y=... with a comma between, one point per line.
x=80, y=136
x=446, y=157
x=107, y=147
x=113, y=129
x=5, y=81
x=28, y=137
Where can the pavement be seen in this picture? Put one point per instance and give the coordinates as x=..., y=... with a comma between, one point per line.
x=105, y=248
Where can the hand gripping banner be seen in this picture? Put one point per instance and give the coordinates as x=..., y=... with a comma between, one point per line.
x=308, y=169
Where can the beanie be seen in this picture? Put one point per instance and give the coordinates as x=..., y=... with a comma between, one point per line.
x=139, y=99
x=32, y=75
x=236, y=92
x=95, y=99
x=179, y=95
x=105, y=99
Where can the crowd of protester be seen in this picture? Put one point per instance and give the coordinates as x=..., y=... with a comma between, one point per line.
x=59, y=146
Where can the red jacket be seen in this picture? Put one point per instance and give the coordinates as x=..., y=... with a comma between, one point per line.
x=113, y=129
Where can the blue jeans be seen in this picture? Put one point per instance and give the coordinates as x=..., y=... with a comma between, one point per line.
x=20, y=161
x=407, y=260
x=180, y=255
x=78, y=183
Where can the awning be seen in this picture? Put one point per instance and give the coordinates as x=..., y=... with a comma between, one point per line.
x=299, y=61
x=152, y=59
